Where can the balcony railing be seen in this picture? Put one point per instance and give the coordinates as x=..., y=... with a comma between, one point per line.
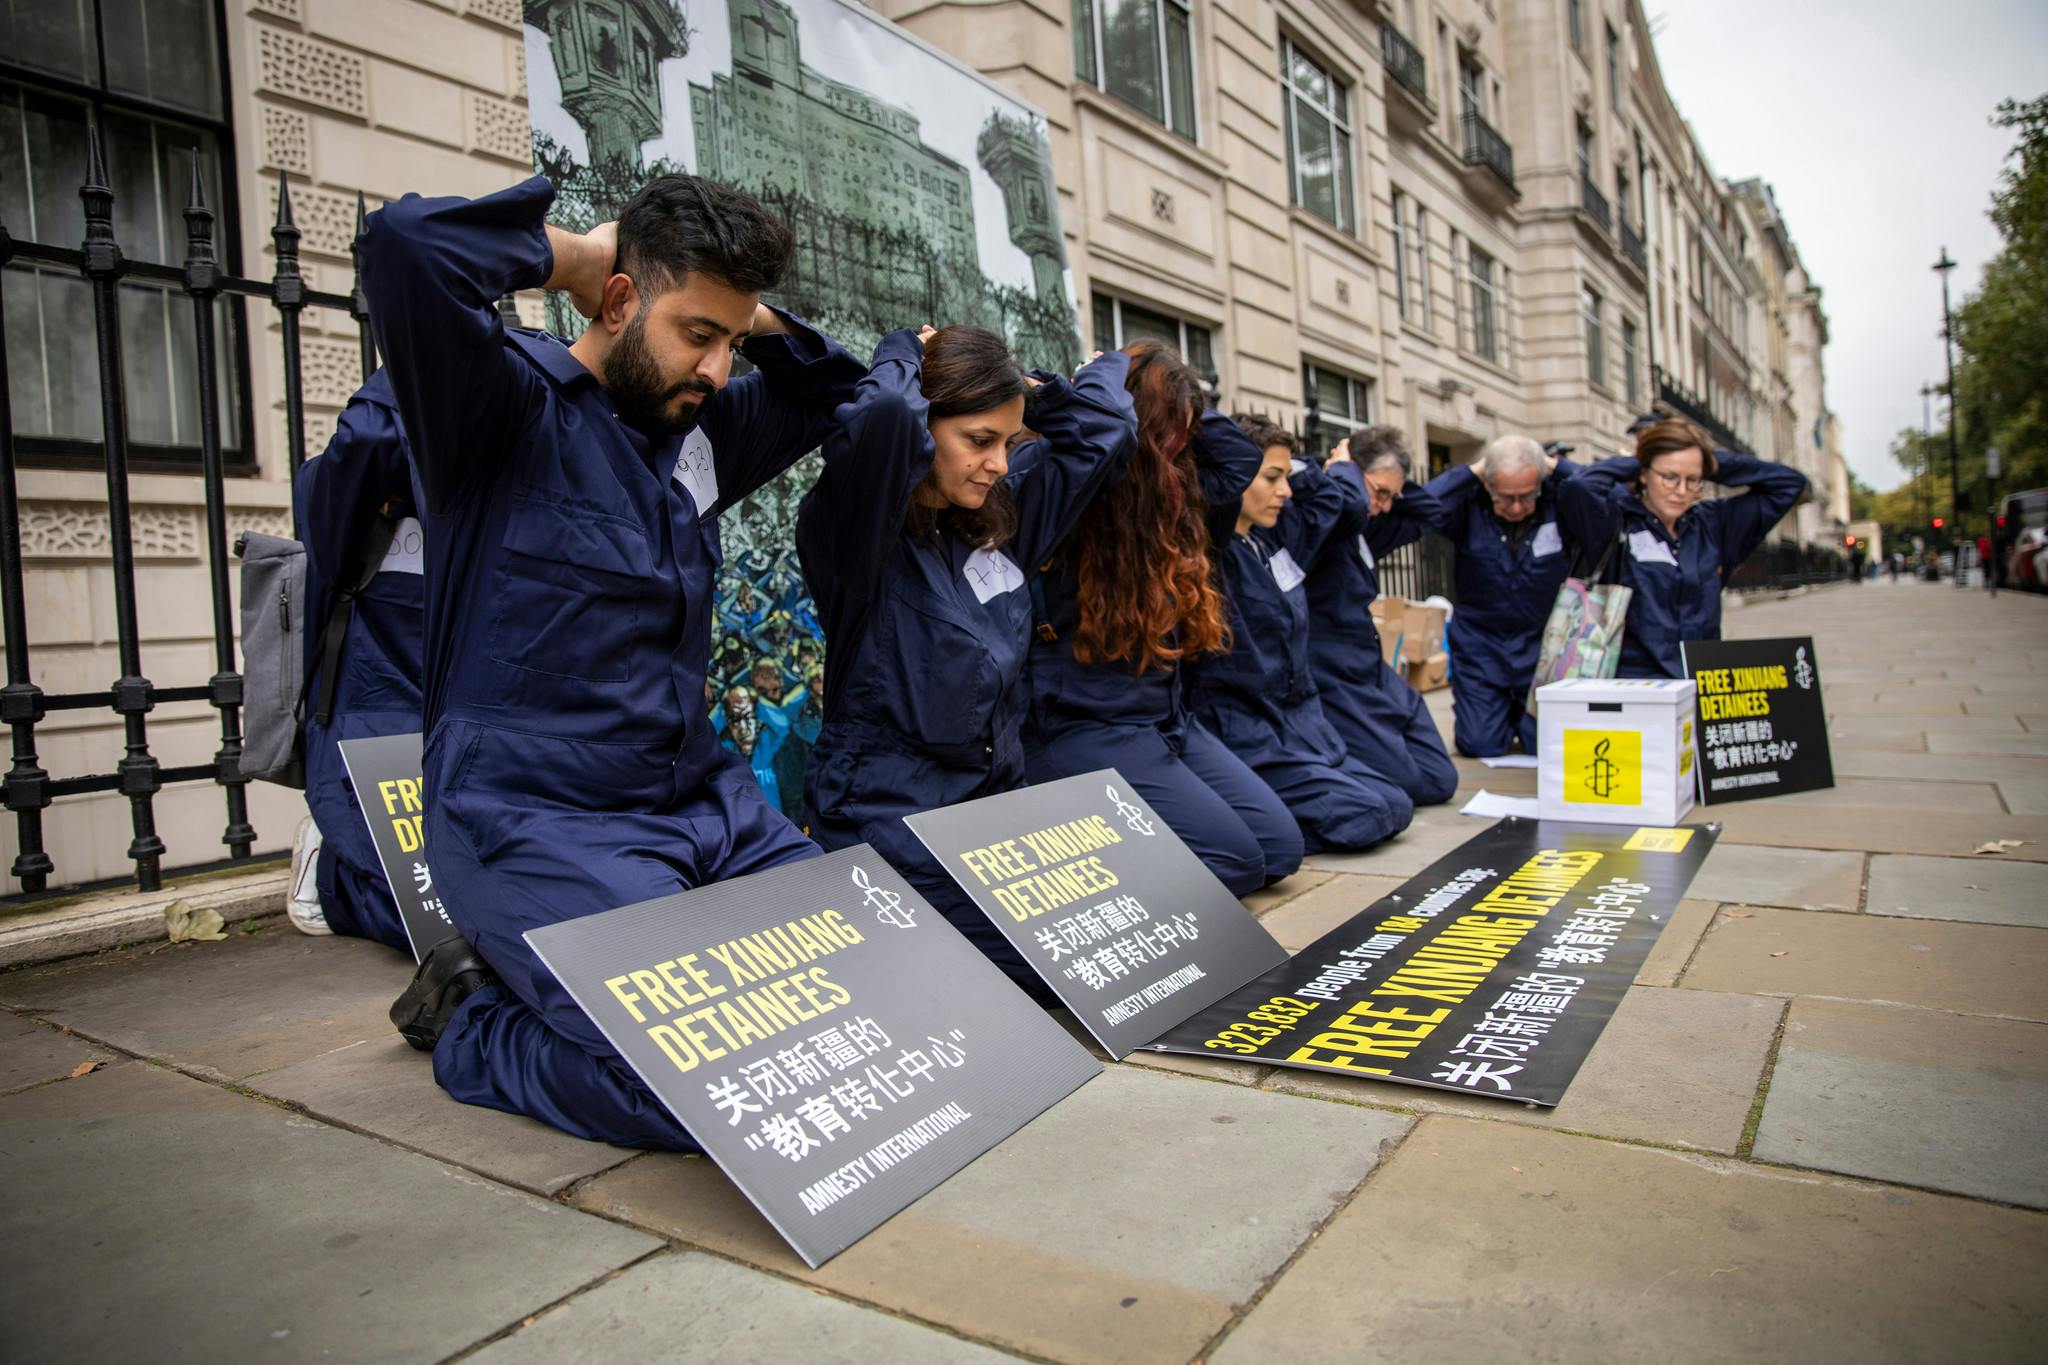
x=1486, y=147
x=1594, y=202
x=1404, y=62
x=1632, y=247
x=1695, y=409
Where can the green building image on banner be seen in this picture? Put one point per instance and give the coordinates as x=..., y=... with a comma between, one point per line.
x=918, y=192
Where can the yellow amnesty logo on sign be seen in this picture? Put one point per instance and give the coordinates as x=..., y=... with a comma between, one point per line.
x=1603, y=767
x=1658, y=841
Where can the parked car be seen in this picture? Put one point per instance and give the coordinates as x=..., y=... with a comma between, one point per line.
x=2027, y=564
x=2018, y=513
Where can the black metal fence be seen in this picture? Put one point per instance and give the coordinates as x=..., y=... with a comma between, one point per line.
x=27, y=789
x=1779, y=564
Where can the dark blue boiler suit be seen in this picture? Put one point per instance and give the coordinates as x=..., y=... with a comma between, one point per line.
x=1103, y=715
x=1677, y=581
x=926, y=637
x=377, y=687
x=1260, y=699
x=1384, y=723
x=570, y=763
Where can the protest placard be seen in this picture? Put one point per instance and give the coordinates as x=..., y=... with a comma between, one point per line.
x=1104, y=901
x=1492, y=972
x=1762, y=727
x=827, y=1037
x=385, y=772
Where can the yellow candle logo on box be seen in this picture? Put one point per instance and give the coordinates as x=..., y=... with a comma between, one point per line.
x=1603, y=767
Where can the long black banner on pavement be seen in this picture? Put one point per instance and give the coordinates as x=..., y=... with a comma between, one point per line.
x=1493, y=972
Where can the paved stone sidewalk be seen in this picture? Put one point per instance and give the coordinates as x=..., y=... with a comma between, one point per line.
x=1814, y=1129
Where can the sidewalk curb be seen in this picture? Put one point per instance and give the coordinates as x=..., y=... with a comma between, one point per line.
x=106, y=919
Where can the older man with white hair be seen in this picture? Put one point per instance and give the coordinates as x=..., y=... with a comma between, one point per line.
x=1501, y=513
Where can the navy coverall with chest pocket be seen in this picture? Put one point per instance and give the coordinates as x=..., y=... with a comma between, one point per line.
x=925, y=635
x=570, y=762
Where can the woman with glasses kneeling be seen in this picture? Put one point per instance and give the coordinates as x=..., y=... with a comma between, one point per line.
x=1677, y=551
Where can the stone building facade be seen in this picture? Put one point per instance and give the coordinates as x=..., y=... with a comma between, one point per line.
x=1461, y=217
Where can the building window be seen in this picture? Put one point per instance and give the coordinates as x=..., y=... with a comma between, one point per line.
x=1621, y=192
x=1613, y=68
x=1583, y=139
x=1485, y=307
x=1596, y=339
x=1629, y=388
x=1401, y=252
x=1141, y=52
x=1334, y=405
x=1425, y=310
x=1575, y=24
x=1458, y=288
x=1318, y=138
x=1118, y=323
x=1471, y=85
x=155, y=94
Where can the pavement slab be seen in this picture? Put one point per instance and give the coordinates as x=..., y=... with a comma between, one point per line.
x=2025, y=796
x=1981, y=890
x=31, y=1053
x=1859, y=761
x=1918, y=795
x=150, y=1215
x=1877, y=829
x=1951, y=724
x=690, y=1306
x=1308, y=917
x=1125, y=1224
x=1484, y=1242
x=381, y=1086
x=1674, y=947
x=231, y=1009
x=1284, y=890
x=1914, y=1097
x=1436, y=831
x=1802, y=879
x=1679, y=1068
x=2034, y=745
x=1988, y=969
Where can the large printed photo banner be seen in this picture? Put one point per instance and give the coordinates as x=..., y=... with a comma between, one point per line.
x=385, y=771
x=918, y=192
x=1493, y=972
x=1104, y=901
x=1763, y=727
x=827, y=1037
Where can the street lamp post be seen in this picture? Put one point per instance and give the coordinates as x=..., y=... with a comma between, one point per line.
x=1948, y=349
x=1920, y=470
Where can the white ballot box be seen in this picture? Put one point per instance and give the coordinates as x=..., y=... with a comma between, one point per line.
x=1617, y=750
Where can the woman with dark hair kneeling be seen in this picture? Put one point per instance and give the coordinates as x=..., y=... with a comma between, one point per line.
x=1124, y=604
x=1679, y=550
x=1260, y=698
x=915, y=542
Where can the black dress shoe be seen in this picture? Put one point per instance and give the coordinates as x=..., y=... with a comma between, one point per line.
x=449, y=973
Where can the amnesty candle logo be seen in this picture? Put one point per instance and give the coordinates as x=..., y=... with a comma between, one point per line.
x=1603, y=767
x=888, y=906
x=1133, y=817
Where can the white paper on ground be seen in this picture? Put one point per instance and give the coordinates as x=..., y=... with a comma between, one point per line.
x=1489, y=805
x=1510, y=761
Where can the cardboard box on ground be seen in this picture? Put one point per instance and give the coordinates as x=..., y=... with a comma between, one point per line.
x=1412, y=640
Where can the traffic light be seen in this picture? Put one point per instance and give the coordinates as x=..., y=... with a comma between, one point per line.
x=1937, y=523
x=1849, y=542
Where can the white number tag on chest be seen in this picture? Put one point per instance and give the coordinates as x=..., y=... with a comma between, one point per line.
x=1365, y=553
x=991, y=573
x=1647, y=549
x=1548, y=542
x=404, y=556
x=696, y=472
x=1286, y=572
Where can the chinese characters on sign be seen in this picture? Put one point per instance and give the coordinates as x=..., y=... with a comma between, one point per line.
x=1093, y=889
x=1494, y=971
x=832, y=1042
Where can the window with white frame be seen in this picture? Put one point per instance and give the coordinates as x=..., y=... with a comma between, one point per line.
x=1481, y=279
x=1142, y=52
x=1596, y=337
x=157, y=105
x=1318, y=138
x=1400, y=256
x=1119, y=322
x=1334, y=405
x=1575, y=25
x=1418, y=245
x=1613, y=68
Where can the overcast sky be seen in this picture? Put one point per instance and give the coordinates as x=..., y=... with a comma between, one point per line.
x=1871, y=120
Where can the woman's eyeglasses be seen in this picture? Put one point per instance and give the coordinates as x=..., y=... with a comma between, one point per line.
x=1671, y=483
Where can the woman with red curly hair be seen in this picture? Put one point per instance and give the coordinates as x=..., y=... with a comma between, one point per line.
x=1126, y=601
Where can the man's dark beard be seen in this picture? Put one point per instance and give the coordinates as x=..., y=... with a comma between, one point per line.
x=639, y=396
